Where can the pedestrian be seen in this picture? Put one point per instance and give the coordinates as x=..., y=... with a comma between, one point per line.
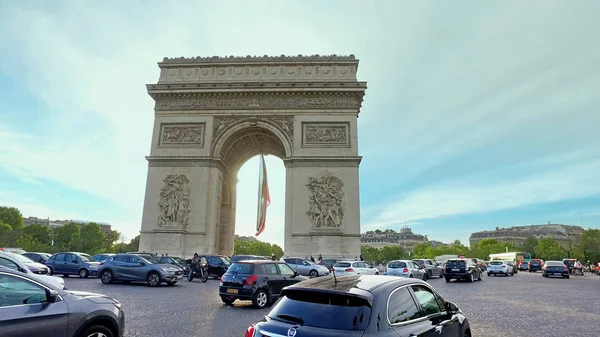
x=356, y=258
x=312, y=259
x=361, y=258
x=320, y=258
x=273, y=257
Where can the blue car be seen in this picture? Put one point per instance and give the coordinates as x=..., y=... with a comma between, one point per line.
x=131, y=267
x=73, y=263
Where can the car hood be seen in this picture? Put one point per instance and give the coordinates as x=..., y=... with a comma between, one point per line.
x=92, y=263
x=166, y=266
x=93, y=297
x=55, y=281
x=34, y=265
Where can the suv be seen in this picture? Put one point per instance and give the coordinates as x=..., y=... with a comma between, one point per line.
x=260, y=281
x=461, y=269
x=431, y=268
x=73, y=264
x=133, y=267
x=307, y=268
x=535, y=265
x=30, y=307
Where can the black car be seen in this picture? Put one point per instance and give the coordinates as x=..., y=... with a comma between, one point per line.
x=535, y=265
x=555, y=268
x=38, y=257
x=176, y=261
x=462, y=269
x=237, y=258
x=217, y=265
x=260, y=281
x=362, y=305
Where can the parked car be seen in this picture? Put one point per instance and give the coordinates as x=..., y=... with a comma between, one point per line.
x=217, y=265
x=31, y=307
x=73, y=263
x=260, y=281
x=34, y=267
x=432, y=269
x=405, y=268
x=142, y=253
x=8, y=261
x=101, y=257
x=13, y=250
x=38, y=257
x=132, y=267
x=524, y=266
x=176, y=261
x=361, y=305
x=462, y=269
x=535, y=265
x=555, y=268
x=329, y=263
x=307, y=268
x=237, y=258
x=500, y=268
x=354, y=268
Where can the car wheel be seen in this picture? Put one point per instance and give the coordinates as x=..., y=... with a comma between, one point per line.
x=227, y=300
x=479, y=277
x=313, y=274
x=376, y=273
x=83, y=273
x=471, y=278
x=260, y=299
x=441, y=274
x=410, y=276
x=567, y=276
x=50, y=271
x=171, y=283
x=489, y=274
x=97, y=331
x=153, y=279
x=429, y=275
x=447, y=279
x=106, y=277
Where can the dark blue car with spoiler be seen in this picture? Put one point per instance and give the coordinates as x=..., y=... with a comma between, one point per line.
x=361, y=305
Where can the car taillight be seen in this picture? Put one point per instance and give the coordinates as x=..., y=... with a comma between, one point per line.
x=250, y=281
x=349, y=269
x=405, y=270
x=503, y=266
x=101, y=263
x=250, y=331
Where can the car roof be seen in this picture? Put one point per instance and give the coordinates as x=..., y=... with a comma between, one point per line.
x=348, y=261
x=259, y=261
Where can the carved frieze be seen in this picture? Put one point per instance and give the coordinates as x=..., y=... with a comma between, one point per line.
x=182, y=134
x=285, y=124
x=326, y=202
x=264, y=58
x=287, y=101
x=325, y=134
x=174, y=202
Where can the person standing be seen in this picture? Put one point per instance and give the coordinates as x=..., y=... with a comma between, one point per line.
x=312, y=259
x=361, y=258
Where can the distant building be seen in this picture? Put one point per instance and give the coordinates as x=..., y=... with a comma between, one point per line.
x=565, y=235
x=405, y=239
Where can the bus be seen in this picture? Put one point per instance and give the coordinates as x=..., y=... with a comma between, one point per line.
x=515, y=257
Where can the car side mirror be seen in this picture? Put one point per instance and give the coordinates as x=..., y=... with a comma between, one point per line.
x=451, y=307
x=296, y=273
x=51, y=296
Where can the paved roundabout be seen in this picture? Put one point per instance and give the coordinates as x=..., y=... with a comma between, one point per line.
x=524, y=305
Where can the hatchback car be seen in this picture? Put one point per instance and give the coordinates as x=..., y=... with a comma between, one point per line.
x=432, y=269
x=462, y=269
x=500, y=268
x=362, y=305
x=555, y=268
x=307, y=268
x=524, y=266
x=260, y=281
x=73, y=263
x=30, y=307
x=405, y=268
x=354, y=268
x=535, y=265
x=131, y=267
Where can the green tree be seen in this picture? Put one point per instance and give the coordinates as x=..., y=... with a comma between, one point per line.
x=11, y=216
x=27, y=242
x=110, y=239
x=589, y=245
x=134, y=244
x=389, y=253
x=422, y=251
x=4, y=230
x=92, y=239
x=255, y=247
x=63, y=236
x=371, y=254
x=549, y=249
x=41, y=233
x=530, y=244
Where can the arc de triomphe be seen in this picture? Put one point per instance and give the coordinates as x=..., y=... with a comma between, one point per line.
x=212, y=114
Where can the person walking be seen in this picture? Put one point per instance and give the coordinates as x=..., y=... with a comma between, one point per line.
x=320, y=258
x=312, y=259
x=361, y=258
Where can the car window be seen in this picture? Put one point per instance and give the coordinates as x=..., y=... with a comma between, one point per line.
x=60, y=257
x=214, y=260
x=17, y=291
x=242, y=268
x=342, y=265
x=427, y=300
x=70, y=258
x=270, y=269
x=397, y=264
x=133, y=259
x=121, y=258
x=402, y=307
x=84, y=257
x=284, y=269
x=9, y=264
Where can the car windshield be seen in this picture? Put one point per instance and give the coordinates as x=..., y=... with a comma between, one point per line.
x=419, y=262
x=554, y=264
x=342, y=265
x=396, y=264
x=150, y=260
x=241, y=268
x=19, y=257
x=226, y=260
x=455, y=263
x=178, y=260
x=323, y=310
x=496, y=263
x=85, y=257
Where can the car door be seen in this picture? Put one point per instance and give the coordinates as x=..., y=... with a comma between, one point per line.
x=135, y=270
x=288, y=275
x=404, y=315
x=431, y=306
x=22, y=311
x=71, y=264
x=57, y=263
x=272, y=277
x=213, y=265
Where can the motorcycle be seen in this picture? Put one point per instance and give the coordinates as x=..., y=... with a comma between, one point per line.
x=199, y=270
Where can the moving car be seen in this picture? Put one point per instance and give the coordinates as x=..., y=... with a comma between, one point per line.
x=570, y=263
x=307, y=268
x=461, y=269
x=101, y=257
x=405, y=268
x=31, y=307
x=176, y=261
x=132, y=267
x=38, y=257
x=432, y=269
x=362, y=305
x=524, y=266
x=260, y=281
x=354, y=268
x=8, y=264
x=217, y=265
x=73, y=263
x=535, y=265
x=500, y=268
x=555, y=268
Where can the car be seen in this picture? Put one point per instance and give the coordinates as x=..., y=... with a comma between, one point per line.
x=31, y=307
x=260, y=281
x=514, y=266
x=9, y=263
x=38, y=257
x=354, y=268
x=362, y=305
x=405, y=268
x=12, y=250
x=133, y=267
x=524, y=266
x=535, y=265
x=555, y=268
x=176, y=261
x=34, y=267
x=500, y=268
x=142, y=253
x=101, y=257
x=73, y=263
x=462, y=269
x=306, y=267
x=217, y=265
x=570, y=263
x=329, y=263
x=432, y=269
x=237, y=258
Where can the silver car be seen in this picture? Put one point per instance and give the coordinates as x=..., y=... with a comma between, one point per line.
x=15, y=262
x=307, y=268
x=405, y=268
x=131, y=267
x=342, y=268
x=432, y=269
x=30, y=307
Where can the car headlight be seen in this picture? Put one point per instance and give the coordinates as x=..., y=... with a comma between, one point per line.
x=93, y=266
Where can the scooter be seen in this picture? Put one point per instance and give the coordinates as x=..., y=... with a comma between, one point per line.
x=198, y=271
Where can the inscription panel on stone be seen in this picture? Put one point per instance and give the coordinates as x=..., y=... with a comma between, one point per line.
x=325, y=134
x=182, y=135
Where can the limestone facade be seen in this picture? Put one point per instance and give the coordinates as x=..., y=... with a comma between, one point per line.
x=213, y=114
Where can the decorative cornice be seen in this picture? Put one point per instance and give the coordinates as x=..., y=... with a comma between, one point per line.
x=318, y=161
x=259, y=85
x=265, y=58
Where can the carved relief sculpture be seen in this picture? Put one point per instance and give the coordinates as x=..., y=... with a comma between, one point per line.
x=285, y=124
x=326, y=203
x=174, y=201
x=182, y=134
x=326, y=134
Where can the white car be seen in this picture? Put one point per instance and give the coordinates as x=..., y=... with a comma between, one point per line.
x=405, y=268
x=500, y=268
x=24, y=265
x=353, y=268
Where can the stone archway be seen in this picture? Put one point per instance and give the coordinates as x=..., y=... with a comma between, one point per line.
x=213, y=114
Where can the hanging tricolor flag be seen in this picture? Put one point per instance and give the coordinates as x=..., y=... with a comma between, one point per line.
x=264, y=199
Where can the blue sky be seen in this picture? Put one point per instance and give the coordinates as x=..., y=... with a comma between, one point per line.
x=477, y=114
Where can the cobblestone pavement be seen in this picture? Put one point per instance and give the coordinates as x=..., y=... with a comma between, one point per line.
x=524, y=305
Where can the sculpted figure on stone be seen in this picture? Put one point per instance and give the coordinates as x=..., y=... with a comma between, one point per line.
x=174, y=201
x=326, y=208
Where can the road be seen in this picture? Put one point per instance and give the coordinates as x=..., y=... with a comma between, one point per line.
x=524, y=305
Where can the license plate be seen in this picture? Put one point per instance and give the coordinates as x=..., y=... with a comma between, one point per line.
x=232, y=291
x=557, y=273
x=455, y=269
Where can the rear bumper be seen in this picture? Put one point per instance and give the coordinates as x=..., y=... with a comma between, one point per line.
x=499, y=271
x=455, y=275
x=242, y=293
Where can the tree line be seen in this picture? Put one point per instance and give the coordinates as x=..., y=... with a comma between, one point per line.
x=585, y=248
x=243, y=246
